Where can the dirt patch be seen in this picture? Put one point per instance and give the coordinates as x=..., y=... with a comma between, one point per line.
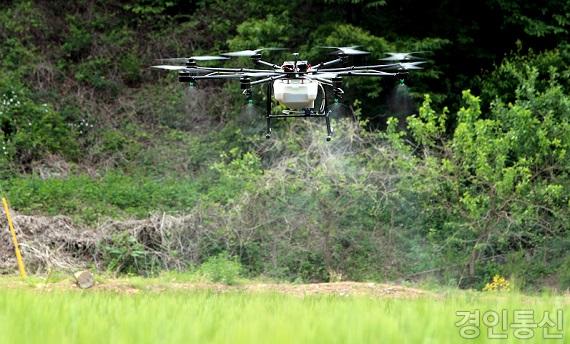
x=128, y=287
x=340, y=289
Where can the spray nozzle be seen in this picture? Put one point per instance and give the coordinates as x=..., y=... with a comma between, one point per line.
x=248, y=95
x=402, y=76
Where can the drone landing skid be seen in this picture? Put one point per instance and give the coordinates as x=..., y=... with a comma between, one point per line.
x=295, y=114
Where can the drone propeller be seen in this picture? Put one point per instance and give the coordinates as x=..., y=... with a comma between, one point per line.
x=170, y=67
x=402, y=56
x=347, y=50
x=250, y=53
x=404, y=66
x=195, y=58
x=194, y=71
x=326, y=75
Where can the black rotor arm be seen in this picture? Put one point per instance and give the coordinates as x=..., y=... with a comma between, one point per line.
x=262, y=81
x=265, y=63
x=231, y=70
x=358, y=68
x=328, y=63
x=236, y=75
x=366, y=73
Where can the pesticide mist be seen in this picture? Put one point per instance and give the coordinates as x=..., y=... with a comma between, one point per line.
x=251, y=119
x=400, y=101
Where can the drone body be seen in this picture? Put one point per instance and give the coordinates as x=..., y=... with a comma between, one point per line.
x=295, y=84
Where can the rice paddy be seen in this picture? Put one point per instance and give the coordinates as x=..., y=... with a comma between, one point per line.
x=161, y=313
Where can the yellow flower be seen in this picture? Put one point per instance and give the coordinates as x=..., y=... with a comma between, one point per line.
x=499, y=283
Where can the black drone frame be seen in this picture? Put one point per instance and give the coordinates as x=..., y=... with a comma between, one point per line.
x=248, y=77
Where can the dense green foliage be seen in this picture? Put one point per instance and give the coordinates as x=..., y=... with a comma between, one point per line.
x=112, y=195
x=473, y=184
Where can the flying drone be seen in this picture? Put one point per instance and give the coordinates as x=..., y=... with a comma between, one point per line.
x=295, y=84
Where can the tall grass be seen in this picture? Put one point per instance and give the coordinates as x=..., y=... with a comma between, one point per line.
x=208, y=317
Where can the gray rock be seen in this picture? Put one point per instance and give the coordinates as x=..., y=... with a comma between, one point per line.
x=84, y=279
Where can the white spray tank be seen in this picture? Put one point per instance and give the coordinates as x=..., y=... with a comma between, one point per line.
x=296, y=94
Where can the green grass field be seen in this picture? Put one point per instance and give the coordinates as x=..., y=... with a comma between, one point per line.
x=29, y=314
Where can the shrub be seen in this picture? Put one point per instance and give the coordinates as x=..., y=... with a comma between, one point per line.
x=94, y=72
x=78, y=41
x=131, y=66
x=122, y=253
x=221, y=268
x=28, y=130
x=499, y=183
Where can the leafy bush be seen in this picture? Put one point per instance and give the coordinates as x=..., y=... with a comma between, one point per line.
x=89, y=199
x=78, y=40
x=316, y=213
x=131, y=66
x=124, y=254
x=148, y=8
x=269, y=31
x=236, y=173
x=500, y=183
x=221, y=268
x=29, y=131
x=94, y=72
x=502, y=83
